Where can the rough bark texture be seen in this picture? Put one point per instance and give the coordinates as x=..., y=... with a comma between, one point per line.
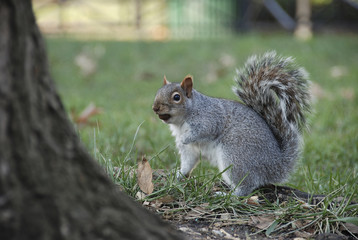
x=50, y=188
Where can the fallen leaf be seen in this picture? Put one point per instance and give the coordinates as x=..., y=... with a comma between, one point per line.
x=350, y=227
x=261, y=222
x=166, y=199
x=140, y=195
x=144, y=176
x=84, y=117
x=254, y=200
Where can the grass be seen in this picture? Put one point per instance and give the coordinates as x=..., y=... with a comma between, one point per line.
x=124, y=85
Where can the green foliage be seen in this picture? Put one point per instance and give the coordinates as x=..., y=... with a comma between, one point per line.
x=124, y=83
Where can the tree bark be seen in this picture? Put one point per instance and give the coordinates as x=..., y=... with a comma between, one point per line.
x=50, y=187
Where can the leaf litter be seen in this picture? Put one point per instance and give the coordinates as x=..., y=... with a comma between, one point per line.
x=256, y=219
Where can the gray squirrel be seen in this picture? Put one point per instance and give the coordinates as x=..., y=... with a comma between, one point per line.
x=258, y=140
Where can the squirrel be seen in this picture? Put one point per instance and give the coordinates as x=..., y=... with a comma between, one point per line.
x=258, y=140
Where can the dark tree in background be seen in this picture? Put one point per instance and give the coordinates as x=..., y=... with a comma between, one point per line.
x=50, y=188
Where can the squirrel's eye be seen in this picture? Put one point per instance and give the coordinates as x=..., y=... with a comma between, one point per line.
x=176, y=97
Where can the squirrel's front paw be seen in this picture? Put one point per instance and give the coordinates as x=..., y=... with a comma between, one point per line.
x=179, y=175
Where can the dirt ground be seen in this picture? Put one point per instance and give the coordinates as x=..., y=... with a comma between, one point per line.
x=205, y=230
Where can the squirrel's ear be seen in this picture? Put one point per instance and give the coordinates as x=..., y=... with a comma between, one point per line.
x=187, y=85
x=165, y=82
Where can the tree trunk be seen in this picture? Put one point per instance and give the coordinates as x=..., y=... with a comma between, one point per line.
x=50, y=187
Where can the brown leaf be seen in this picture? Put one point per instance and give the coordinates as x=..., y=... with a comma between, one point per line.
x=350, y=227
x=253, y=200
x=144, y=176
x=83, y=118
x=140, y=195
x=261, y=222
x=88, y=112
x=166, y=199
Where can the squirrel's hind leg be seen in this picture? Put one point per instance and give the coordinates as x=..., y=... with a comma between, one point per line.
x=239, y=188
x=240, y=183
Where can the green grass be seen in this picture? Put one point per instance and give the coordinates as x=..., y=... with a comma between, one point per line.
x=125, y=83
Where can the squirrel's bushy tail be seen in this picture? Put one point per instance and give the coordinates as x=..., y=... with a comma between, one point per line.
x=278, y=90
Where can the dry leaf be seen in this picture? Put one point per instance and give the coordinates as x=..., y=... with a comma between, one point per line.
x=350, y=226
x=166, y=199
x=83, y=118
x=144, y=176
x=140, y=195
x=88, y=112
x=261, y=222
x=254, y=200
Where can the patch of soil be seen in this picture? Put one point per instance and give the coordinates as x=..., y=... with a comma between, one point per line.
x=206, y=230
x=209, y=231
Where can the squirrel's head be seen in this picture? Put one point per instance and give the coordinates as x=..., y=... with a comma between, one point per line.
x=172, y=100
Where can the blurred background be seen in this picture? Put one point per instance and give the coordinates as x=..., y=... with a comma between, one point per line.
x=188, y=19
